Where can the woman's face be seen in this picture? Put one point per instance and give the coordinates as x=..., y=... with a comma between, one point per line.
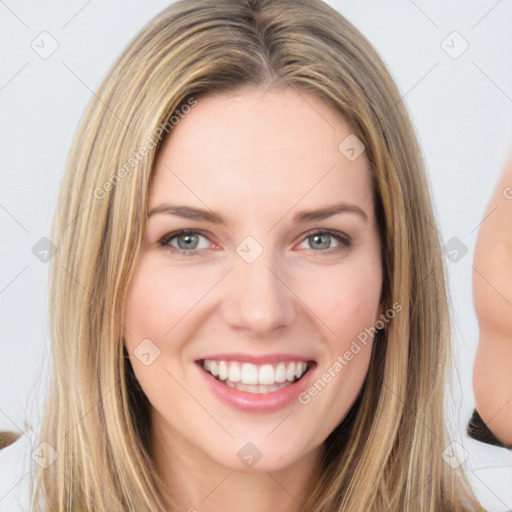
x=280, y=275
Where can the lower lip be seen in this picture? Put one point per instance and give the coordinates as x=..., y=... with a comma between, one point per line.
x=257, y=402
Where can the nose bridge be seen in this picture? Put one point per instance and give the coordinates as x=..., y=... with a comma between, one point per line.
x=260, y=300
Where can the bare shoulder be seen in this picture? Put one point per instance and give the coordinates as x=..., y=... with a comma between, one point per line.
x=492, y=292
x=492, y=269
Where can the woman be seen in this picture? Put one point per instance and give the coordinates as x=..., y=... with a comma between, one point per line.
x=247, y=370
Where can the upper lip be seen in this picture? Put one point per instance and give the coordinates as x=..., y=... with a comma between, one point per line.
x=257, y=359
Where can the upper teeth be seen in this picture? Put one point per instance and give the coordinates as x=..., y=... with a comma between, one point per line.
x=248, y=373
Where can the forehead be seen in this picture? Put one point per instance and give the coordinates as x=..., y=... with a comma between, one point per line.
x=257, y=147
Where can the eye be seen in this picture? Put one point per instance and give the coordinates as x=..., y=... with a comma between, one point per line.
x=187, y=242
x=322, y=239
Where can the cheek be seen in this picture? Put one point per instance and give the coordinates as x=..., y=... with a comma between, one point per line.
x=347, y=303
x=146, y=309
x=157, y=300
x=347, y=299
x=154, y=306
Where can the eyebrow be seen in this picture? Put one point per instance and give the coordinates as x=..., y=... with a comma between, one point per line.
x=190, y=212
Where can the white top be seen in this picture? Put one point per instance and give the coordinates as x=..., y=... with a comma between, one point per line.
x=489, y=470
x=15, y=463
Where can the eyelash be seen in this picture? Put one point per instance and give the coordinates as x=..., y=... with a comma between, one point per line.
x=344, y=240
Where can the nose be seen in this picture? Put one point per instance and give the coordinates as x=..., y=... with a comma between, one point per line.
x=260, y=301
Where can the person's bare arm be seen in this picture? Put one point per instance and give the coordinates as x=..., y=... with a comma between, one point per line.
x=492, y=293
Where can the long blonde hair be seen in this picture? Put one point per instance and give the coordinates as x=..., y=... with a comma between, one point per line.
x=387, y=454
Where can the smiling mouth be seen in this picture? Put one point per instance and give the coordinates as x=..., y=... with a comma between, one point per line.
x=253, y=378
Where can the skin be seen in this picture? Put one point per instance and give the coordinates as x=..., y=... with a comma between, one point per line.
x=256, y=157
x=492, y=292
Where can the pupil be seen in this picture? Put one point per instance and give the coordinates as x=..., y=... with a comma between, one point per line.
x=319, y=238
x=188, y=238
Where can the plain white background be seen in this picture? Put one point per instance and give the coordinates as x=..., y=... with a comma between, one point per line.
x=460, y=102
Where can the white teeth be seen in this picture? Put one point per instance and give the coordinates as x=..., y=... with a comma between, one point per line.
x=266, y=375
x=254, y=375
x=280, y=372
x=290, y=372
x=255, y=389
x=249, y=374
x=234, y=372
x=223, y=370
x=214, y=368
